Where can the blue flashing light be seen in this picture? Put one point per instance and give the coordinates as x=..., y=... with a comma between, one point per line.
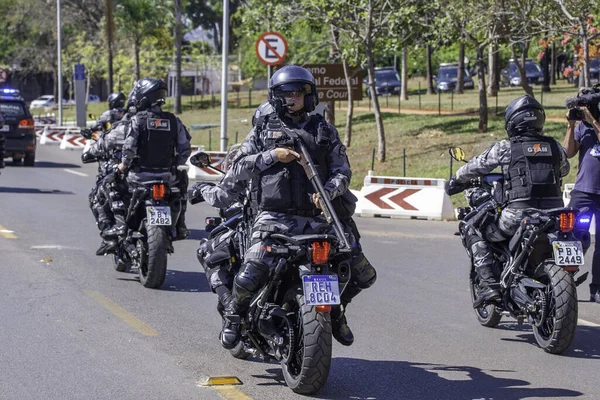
x=10, y=91
x=585, y=220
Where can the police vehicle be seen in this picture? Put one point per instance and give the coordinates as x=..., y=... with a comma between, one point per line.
x=18, y=128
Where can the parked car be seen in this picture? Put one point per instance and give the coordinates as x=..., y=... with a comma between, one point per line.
x=46, y=100
x=447, y=78
x=92, y=98
x=18, y=128
x=533, y=72
x=594, y=72
x=387, y=81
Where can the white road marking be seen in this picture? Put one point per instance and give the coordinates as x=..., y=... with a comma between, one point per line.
x=53, y=247
x=6, y=231
x=75, y=172
x=583, y=322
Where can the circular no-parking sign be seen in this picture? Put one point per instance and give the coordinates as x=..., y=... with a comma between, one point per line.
x=271, y=48
x=3, y=75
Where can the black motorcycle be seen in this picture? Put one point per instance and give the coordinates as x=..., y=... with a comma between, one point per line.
x=538, y=264
x=288, y=319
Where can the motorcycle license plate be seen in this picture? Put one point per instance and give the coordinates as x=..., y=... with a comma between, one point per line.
x=321, y=290
x=158, y=215
x=568, y=253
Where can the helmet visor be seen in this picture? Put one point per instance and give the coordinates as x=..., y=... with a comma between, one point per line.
x=288, y=89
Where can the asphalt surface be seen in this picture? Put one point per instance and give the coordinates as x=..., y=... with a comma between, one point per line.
x=73, y=328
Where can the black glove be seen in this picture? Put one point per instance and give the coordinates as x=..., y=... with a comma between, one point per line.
x=195, y=192
x=453, y=187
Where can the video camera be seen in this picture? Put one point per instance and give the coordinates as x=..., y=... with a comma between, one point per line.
x=587, y=97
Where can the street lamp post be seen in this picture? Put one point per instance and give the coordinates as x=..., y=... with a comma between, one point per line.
x=59, y=77
x=225, y=51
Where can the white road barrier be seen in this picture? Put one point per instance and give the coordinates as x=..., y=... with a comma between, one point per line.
x=53, y=135
x=73, y=140
x=397, y=197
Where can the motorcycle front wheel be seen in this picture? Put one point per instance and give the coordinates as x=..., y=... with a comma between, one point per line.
x=307, y=367
x=153, y=262
x=555, y=334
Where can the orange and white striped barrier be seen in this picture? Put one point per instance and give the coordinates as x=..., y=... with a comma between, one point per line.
x=73, y=140
x=396, y=197
x=53, y=135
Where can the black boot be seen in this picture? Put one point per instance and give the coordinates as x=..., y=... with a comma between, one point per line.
x=230, y=334
x=119, y=228
x=182, y=230
x=107, y=247
x=339, y=327
x=594, y=294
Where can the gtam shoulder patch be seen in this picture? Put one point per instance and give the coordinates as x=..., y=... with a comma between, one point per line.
x=537, y=149
x=159, y=124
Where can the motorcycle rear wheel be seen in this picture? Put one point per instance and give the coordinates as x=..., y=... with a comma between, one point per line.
x=153, y=262
x=308, y=368
x=487, y=315
x=557, y=332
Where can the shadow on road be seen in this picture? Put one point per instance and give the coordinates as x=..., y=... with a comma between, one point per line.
x=32, y=190
x=50, y=164
x=585, y=344
x=352, y=378
x=186, y=281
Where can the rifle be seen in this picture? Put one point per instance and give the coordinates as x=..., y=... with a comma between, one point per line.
x=324, y=202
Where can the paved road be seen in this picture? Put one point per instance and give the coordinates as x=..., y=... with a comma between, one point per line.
x=72, y=328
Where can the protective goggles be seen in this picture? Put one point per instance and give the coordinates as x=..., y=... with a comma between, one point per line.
x=289, y=89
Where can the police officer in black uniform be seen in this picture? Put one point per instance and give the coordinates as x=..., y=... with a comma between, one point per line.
x=116, y=102
x=156, y=143
x=282, y=197
x=532, y=165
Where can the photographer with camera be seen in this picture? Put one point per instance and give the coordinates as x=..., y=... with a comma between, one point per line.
x=583, y=136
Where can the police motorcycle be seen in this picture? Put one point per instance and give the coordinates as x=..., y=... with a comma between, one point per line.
x=288, y=320
x=538, y=264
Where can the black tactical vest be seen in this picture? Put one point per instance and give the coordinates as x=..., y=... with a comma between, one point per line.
x=284, y=187
x=534, y=170
x=157, y=141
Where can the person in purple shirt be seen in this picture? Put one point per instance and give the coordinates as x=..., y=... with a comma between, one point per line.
x=584, y=137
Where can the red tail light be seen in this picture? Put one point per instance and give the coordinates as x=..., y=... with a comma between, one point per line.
x=320, y=252
x=566, y=221
x=323, y=308
x=158, y=191
x=26, y=123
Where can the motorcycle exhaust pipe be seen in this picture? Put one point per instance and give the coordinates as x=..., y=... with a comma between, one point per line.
x=343, y=272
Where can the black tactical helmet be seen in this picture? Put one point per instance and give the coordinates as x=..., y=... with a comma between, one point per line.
x=524, y=114
x=292, y=78
x=148, y=92
x=116, y=100
x=261, y=112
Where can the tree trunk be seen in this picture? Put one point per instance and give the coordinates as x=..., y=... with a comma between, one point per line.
x=483, y=107
x=493, y=82
x=109, y=29
x=333, y=55
x=178, y=40
x=546, y=67
x=371, y=69
x=430, y=89
x=520, y=63
x=350, y=112
x=376, y=109
x=553, y=67
x=404, y=82
x=460, y=74
x=585, y=73
x=136, y=62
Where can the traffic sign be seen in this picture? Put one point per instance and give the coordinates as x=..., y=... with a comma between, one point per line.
x=271, y=48
x=79, y=72
x=3, y=75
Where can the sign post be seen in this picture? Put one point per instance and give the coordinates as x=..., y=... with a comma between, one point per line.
x=271, y=49
x=80, y=100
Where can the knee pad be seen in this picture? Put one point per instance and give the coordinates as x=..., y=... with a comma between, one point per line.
x=251, y=278
x=363, y=274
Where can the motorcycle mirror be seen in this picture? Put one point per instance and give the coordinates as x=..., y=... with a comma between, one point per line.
x=86, y=133
x=92, y=116
x=200, y=160
x=457, y=153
